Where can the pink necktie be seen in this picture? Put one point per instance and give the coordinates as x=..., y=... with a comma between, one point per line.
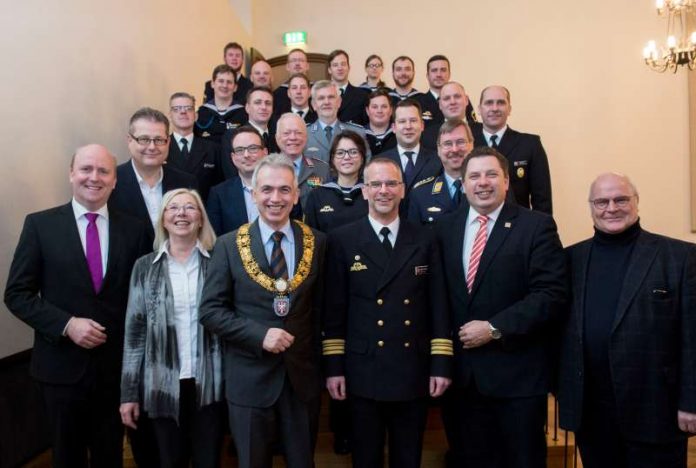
x=477, y=250
x=94, y=259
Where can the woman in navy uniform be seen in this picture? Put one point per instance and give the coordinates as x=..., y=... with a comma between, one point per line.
x=340, y=201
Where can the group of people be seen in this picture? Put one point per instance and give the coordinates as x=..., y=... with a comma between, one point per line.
x=379, y=243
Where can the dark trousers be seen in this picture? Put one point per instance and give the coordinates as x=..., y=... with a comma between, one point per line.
x=85, y=425
x=198, y=436
x=290, y=420
x=602, y=446
x=143, y=443
x=403, y=421
x=486, y=432
x=339, y=418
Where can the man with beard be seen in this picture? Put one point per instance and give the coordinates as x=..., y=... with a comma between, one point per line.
x=403, y=72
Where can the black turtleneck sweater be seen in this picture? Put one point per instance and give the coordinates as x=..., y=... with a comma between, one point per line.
x=609, y=258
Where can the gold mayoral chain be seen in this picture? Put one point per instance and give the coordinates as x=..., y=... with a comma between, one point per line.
x=279, y=286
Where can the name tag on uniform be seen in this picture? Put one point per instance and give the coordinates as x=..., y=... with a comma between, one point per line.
x=208, y=165
x=421, y=270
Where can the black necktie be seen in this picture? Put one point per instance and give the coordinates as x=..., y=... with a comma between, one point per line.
x=300, y=113
x=279, y=269
x=184, y=146
x=329, y=133
x=457, y=197
x=267, y=141
x=410, y=171
x=343, y=91
x=494, y=141
x=385, y=239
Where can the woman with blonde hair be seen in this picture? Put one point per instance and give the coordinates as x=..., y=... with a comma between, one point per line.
x=171, y=365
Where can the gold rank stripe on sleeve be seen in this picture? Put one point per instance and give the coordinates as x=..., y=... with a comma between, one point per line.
x=335, y=346
x=441, y=346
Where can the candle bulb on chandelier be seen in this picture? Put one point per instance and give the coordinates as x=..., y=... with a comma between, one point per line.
x=671, y=42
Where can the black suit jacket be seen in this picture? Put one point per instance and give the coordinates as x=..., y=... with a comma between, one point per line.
x=385, y=310
x=49, y=282
x=353, y=104
x=433, y=118
x=128, y=198
x=520, y=288
x=204, y=162
x=530, y=179
x=226, y=208
x=652, y=347
x=240, y=311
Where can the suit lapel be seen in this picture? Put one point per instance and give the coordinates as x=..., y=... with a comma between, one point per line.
x=132, y=181
x=320, y=136
x=580, y=261
x=509, y=141
x=455, y=238
x=257, y=248
x=237, y=205
x=504, y=224
x=371, y=246
x=305, y=171
x=115, y=241
x=403, y=250
x=643, y=256
x=196, y=155
x=74, y=244
x=299, y=242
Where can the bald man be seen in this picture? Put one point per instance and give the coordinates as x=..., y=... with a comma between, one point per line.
x=628, y=354
x=69, y=282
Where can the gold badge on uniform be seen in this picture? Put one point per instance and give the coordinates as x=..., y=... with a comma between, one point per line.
x=520, y=172
x=326, y=209
x=357, y=266
x=437, y=187
x=434, y=209
x=205, y=134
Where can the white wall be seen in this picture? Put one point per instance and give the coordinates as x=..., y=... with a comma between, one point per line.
x=73, y=72
x=574, y=70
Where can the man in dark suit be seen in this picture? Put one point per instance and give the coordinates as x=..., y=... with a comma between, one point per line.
x=297, y=64
x=262, y=296
x=438, y=74
x=298, y=92
x=353, y=99
x=530, y=179
x=320, y=135
x=233, y=56
x=386, y=329
x=230, y=203
x=506, y=287
x=453, y=103
x=438, y=195
x=196, y=156
x=144, y=179
x=628, y=352
x=417, y=162
x=69, y=282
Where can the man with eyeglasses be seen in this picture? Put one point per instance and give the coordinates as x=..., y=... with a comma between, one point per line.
x=230, y=203
x=297, y=63
x=627, y=383
x=417, y=162
x=530, y=179
x=196, y=156
x=233, y=56
x=326, y=100
x=438, y=195
x=310, y=171
x=144, y=179
x=507, y=288
x=386, y=338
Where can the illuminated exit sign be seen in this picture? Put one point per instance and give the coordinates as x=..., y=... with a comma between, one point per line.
x=295, y=38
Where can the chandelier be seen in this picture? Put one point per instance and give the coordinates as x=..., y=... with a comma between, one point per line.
x=681, y=48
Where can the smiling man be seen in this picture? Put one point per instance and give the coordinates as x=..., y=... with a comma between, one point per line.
x=627, y=381
x=69, y=282
x=353, y=99
x=403, y=73
x=385, y=327
x=262, y=297
x=233, y=56
x=507, y=286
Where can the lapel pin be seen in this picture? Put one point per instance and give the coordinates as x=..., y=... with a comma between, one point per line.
x=508, y=224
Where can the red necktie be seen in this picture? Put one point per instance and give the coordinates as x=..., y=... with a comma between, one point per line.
x=477, y=250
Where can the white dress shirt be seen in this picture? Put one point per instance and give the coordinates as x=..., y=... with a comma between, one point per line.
x=251, y=208
x=102, y=222
x=393, y=229
x=499, y=133
x=472, y=227
x=151, y=195
x=189, y=140
x=404, y=159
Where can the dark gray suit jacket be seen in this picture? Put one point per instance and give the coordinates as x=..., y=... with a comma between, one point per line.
x=652, y=348
x=240, y=311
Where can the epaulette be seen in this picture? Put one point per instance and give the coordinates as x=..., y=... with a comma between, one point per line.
x=423, y=182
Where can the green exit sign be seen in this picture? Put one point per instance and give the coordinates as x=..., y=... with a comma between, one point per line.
x=295, y=38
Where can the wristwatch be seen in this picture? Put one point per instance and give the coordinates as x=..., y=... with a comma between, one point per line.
x=495, y=333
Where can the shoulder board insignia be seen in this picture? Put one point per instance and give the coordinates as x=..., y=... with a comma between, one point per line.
x=424, y=181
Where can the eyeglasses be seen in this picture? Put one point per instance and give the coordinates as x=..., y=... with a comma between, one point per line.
x=344, y=154
x=374, y=65
x=619, y=202
x=377, y=184
x=173, y=208
x=182, y=108
x=252, y=149
x=449, y=144
x=145, y=141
